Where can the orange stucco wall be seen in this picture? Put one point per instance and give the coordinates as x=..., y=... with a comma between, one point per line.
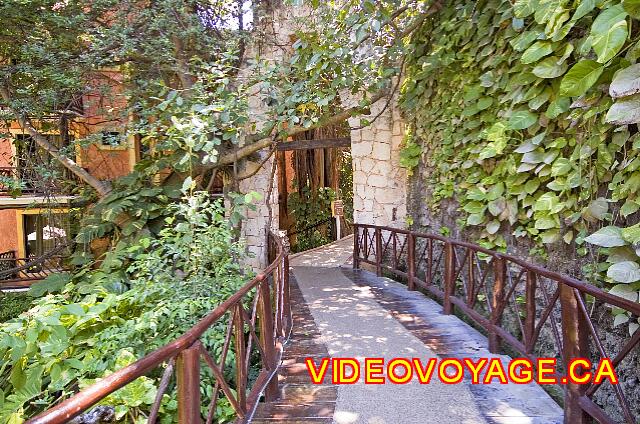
x=8, y=230
x=105, y=164
x=6, y=154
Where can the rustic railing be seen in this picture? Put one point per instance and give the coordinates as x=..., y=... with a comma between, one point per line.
x=20, y=272
x=31, y=182
x=535, y=311
x=260, y=329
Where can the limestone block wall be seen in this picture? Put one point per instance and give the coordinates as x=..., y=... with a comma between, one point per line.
x=379, y=183
x=254, y=227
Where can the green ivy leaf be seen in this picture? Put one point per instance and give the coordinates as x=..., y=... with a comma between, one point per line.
x=551, y=67
x=626, y=82
x=607, y=237
x=585, y=7
x=580, y=78
x=522, y=119
x=493, y=227
x=609, y=32
x=524, y=8
x=537, y=51
x=629, y=207
x=625, y=111
x=624, y=291
x=624, y=272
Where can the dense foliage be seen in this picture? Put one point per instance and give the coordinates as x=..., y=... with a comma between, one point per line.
x=525, y=112
x=96, y=325
x=13, y=304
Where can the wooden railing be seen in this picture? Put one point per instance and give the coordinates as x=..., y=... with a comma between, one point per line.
x=536, y=312
x=21, y=272
x=261, y=329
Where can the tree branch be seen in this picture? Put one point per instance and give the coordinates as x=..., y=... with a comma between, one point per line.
x=261, y=141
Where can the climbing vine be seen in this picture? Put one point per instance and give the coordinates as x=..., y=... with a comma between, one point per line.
x=525, y=112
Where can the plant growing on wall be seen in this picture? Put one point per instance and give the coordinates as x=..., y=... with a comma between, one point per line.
x=526, y=113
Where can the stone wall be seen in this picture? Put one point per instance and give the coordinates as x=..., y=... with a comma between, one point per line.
x=379, y=182
x=253, y=230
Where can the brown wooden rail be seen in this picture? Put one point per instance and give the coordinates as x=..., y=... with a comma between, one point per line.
x=530, y=308
x=21, y=272
x=261, y=329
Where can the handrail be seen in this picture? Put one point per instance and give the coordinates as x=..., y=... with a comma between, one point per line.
x=311, y=227
x=269, y=325
x=30, y=262
x=485, y=286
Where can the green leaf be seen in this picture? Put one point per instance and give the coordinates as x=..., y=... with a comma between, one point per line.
x=626, y=82
x=550, y=68
x=531, y=186
x=632, y=7
x=586, y=6
x=597, y=210
x=537, y=51
x=609, y=32
x=620, y=319
x=631, y=234
x=54, y=283
x=556, y=107
x=629, y=207
x=484, y=103
x=493, y=227
x=580, y=78
x=475, y=219
x=624, y=272
x=607, y=237
x=522, y=119
x=625, y=111
x=524, y=8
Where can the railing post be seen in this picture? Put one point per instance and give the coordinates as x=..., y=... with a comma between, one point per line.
x=449, y=278
x=575, y=333
x=471, y=279
x=356, y=246
x=411, y=261
x=266, y=338
x=497, y=301
x=286, y=297
x=188, y=380
x=240, y=354
x=378, y=234
x=530, y=304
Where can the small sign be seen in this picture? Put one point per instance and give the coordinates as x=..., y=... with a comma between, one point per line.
x=337, y=208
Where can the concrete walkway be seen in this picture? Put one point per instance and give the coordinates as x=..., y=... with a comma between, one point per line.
x=354, y=321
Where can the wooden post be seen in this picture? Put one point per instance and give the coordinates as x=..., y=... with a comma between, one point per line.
x=429, y=272
x=411, y=261
x=286, y=297
x=356, y=246
x=395, y=249
x=188, y=380
x=471, y=279
x=530, y=305
x=241, y=372
x=365, y=242
x=266, y=339
x=497, y=301
x=378, y=234
x=449, y=278
x=575, y=344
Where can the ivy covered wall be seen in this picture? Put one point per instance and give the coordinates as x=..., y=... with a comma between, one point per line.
x=522, y=130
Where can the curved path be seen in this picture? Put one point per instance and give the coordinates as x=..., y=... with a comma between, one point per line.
x=358, y=315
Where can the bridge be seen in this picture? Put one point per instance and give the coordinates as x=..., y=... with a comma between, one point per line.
x=447, y=299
